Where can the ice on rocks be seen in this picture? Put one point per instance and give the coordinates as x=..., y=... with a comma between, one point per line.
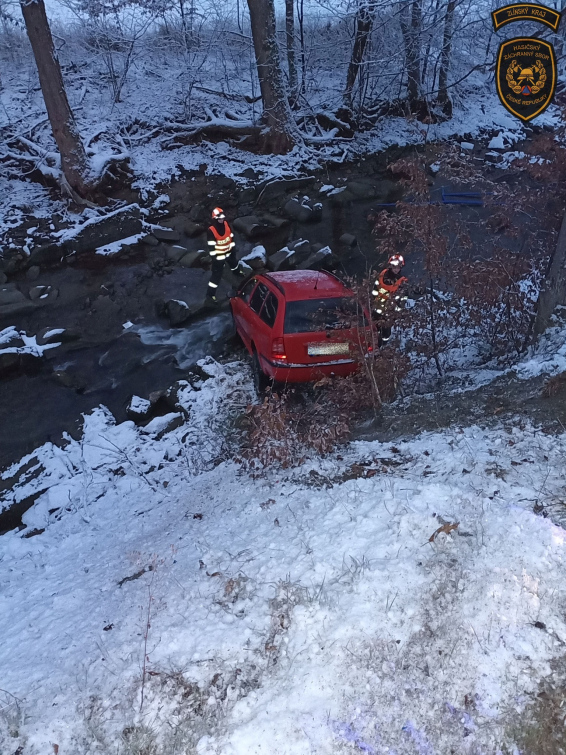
x=497, y=142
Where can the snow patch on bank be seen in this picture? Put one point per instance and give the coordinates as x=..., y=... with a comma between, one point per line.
x=310, y=610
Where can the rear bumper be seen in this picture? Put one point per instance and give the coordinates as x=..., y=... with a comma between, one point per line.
x=306, y=373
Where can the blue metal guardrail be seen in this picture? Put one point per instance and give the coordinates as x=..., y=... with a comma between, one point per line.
x=468, y=198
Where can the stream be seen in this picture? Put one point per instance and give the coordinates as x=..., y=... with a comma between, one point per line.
x=123, y=346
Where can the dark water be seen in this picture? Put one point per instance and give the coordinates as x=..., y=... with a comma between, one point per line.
x=38, y=408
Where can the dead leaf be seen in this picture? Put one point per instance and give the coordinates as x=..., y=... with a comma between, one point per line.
x=270, y=648
x=446, y=528
x=229, y=586
x=56, y=749
x=214, y=574
x=266, y=504
x=197, y=516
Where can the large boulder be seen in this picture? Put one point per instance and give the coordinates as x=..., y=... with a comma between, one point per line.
x=18, y=363
x=341, y=196
x=160, y=426
x=256, y=259
x=33, y=273
x=284, y=259
x=362, y=189
x=177, y=311
x=56, y=335
x=280, y=186
x=318, y=260
x=193, y=259
x=302, y=213
x=165, y=234
x=247, y=196
x=193, y=229
x=249, y=225
x=275, y=220
x=139, y=409
x=52, y=254
x=94, y=233
x=9, y=294
x=175, y=253
x=303, y=210
x=198, y=213
x=348, y=239
x=150, y=240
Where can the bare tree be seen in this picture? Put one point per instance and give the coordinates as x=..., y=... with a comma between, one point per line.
x=282, y=134
x=76, y=174
x=290, y=39
x=444, y=100
x=364, y=22
x=410, y=17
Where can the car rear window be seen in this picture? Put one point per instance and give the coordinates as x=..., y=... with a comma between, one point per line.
x=320, y=314
x=269, y=310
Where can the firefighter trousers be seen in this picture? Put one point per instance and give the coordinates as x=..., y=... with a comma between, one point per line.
x=384, y=330
x=218, y=269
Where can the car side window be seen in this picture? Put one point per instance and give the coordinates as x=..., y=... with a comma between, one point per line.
x=269, y=310
x=258, y=297
x=246, y=291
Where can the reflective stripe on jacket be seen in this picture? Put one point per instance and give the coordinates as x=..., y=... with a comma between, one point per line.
x=220, y=244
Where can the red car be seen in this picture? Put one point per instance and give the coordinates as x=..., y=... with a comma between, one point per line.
x=299, y=326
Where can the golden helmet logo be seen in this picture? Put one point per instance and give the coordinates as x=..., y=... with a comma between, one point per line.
x=526, y=76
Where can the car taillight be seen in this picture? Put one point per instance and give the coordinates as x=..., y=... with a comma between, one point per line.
x=278, y=349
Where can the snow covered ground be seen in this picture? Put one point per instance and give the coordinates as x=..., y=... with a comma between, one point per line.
x=387, y=599
x=165, y=88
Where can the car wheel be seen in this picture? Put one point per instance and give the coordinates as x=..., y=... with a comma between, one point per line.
x=261, y=381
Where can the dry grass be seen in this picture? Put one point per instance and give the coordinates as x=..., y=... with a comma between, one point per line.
x=541, y=728
x=554, y=385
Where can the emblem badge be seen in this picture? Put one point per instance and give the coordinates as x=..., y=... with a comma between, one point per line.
x=525, y=12
x=526, y=76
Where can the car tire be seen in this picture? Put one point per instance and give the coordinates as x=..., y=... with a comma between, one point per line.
x=261, y=380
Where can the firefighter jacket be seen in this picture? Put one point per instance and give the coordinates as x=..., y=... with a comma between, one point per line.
x=388, y=292
x=220, y=243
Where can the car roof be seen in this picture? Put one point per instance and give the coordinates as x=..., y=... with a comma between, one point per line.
x=298, y=285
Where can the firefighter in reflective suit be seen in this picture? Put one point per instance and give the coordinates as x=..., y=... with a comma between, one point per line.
x=221, y=246
x=389, y=295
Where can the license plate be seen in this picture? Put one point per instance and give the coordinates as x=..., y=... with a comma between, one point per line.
x=327, y=349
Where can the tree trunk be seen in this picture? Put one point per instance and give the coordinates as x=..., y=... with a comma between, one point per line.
x=301, y=19
x=443, y=99
x=553, y=291
x=282, y=131
x=364, y=22
x=290, y=37
x=74, y=161
x=411, y=20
